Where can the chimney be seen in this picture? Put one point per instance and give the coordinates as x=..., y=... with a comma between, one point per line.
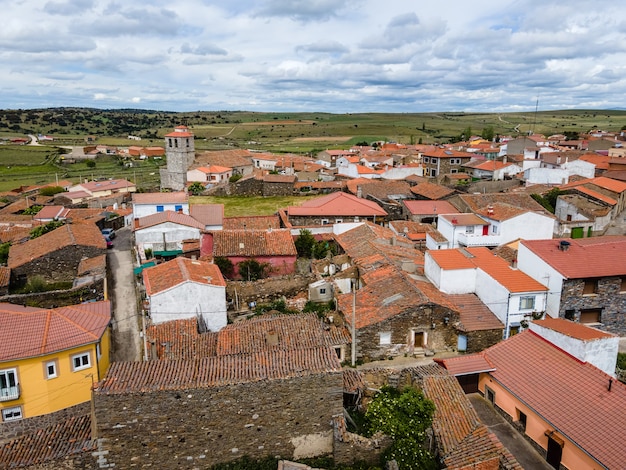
x=359, y=192
x=489, y=209
x=564, y=245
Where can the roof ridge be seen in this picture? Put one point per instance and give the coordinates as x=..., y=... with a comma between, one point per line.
x=46, y=330
x=77, y=325
x=183, y=268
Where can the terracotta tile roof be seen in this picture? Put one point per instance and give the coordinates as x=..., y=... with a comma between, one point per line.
x=112, y=185
x=289, y=179
x=160, y=198
x=432, y=191
x=464, y=365
x=380, y=189
x=85, y=234
x=165, y=217
x=353, y=381
x=463, y=441
x=596, y=195
x=492, y=165
x=585, y=257
x=207, y=214
x=5, y=276
x=124, y=377
x=180, y=270
x=474, y=314
x=255, y=222
x=464, y=219
x=96, y=265
x=180, y=339
x=41, y=447
x=571, y=395
x=86, y=214
x=51, y=212
x=30, y=332
x=253, y=243
x=447, y=153
x=180, y=131
x=429, y=207
x=409, y=228
x=353, y=183
x=337, y=204
x=14, y=234
x=609, y=183
x=24, y=203
x=501, y=211
x=475, y=202
x=227, y=158
x=452, y=259
x=213, y=169
x=359, y=242
x=573, y=329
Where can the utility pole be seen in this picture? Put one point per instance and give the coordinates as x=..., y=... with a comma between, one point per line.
x=353, y=322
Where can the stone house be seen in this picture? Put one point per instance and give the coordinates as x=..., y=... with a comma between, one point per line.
x=478, y=328
x=55, y=256
x=278, y=185
x=586, y=278
x=239, y=160
x=268, y=403
x=274, y=247
x=426, y=211
x=185, y=288
x=442, y=160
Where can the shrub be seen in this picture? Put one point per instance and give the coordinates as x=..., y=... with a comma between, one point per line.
x=51, y=190
x=235, y=178
x=304, y=243
x=252, y=270
x=226, y=266
x=91, y=163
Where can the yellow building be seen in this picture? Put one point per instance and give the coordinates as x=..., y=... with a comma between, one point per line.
x=49, y=358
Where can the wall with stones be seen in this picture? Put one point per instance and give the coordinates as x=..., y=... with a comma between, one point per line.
x=480, y=340
x=290, y=418
x=608, y=298
x=12, y=429
x=278, y=189
x=266, y=290
x=59, y=298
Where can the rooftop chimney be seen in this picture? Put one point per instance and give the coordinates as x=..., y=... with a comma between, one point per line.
x=564, y=245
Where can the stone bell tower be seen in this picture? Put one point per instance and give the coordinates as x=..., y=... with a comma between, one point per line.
x=180, y=153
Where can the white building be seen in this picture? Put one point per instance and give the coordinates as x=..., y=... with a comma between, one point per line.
x=152, y=203
x=165, y=231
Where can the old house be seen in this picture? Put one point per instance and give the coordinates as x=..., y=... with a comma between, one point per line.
x=547, y=382
x=50, y=358
x=478, y=328
x=431, y=191
x=151, y=203
x=164, y=232
x=442, y=160
x=239, y=160
x=586, y=278
x=213, y=174
x=184, y=288
x=55, y=256
x=273, y=247
x=426, y=211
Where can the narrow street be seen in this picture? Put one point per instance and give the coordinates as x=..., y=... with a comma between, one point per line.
x=127, y=343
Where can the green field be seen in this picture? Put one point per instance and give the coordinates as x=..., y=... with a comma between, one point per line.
x=238, y=206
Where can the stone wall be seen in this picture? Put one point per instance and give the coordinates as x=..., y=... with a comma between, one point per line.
x=278, y=189
x=290, y=418
x=12, y=429
x=57, y=266
x=59, y=298
x=480, y=340
x=608, y=298
x=266, y=290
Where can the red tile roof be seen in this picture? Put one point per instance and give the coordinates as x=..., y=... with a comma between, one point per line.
x=160, y=198
x=364, y=240
x=167, y=216
x=207, y=214
x=585, y=257
x=440, y=152
x=573, y=329
x=254, y=222
x=29, y=332
x=124, y=377
x=432, y=191
x=475, y=202
x=464, y=219
x=51, y=212
x=429, y=207
x=474, y=314
x=501, y=211
x=491, y=165
x=571, y=395
x=596, y=195
x=337, y=204
x=253, y=243
x=81, y=234
x=180, y=339
x=180, y=270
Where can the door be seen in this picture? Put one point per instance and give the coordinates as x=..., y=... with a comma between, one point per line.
x=418, y=339
x=555, y=451
x=485, y=230
x=578, y=232
x=461, y=343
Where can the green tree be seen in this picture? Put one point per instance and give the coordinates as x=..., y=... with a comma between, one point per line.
x=305, y=243
x=488, y=133
x=321, y=248
x=32, y=210
x=91, y=163
x=196, y=188
x=4, y=253
x=43, y=229
x=226, y=266
x=252, y=270
x=404, y=416
x=236, y=177
x=51, y=190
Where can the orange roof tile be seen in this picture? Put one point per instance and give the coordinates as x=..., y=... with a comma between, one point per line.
x=474, y=314
x=337, y=204
x=254, y=222
x=429, y=207
x=432, y=191
x=573, y=329
x=180, y=270
x=501, y=211
x=253, y=243
x=464, y=219
x=596, y=195
x=160, y=198
x=207, y=214
x=29, y=332
x=164, y=217
x=180, y=339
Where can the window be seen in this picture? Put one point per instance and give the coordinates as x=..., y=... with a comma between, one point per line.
x=187, y=140
x=570, y=314
x=385, y=337
x=527, y=302
x=325, y=221
x=591, y=315
x=339, y=352
x=426, y=160
x=590, y=287
x=81, y=361
x=178, y=208
x=433, y=172
x=433, y=160
x=338, y=221
x=160, y=208
x=176, y=143
x=494, y=229
x=521, y=417
x=50, y=369
x=623, y=285
x=322, y=290
x=169, y=143
x=469, y=229
x=9, y=387
x=454, y=170
x=11, y=414
x=455, y=161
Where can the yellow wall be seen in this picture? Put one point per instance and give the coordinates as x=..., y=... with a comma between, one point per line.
x=536, y=427
x=41, y=395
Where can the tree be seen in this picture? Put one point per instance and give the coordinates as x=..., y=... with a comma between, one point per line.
x=32, y=210
x=4, y=253
x=91, y=163
x=404, y=416
x=252, y=270
x=488, y=133
x=304, y=243
x=226, y=266
x=196, y=188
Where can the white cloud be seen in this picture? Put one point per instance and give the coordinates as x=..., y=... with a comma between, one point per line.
x=323, y=55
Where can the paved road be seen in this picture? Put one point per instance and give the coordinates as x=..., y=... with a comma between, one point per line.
x=127, y=342
x=525, y=454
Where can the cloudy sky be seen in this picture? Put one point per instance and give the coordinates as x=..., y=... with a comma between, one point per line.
x=336, y=56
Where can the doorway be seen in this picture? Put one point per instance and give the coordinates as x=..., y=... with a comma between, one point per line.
x=419, y=339
x=555, y=451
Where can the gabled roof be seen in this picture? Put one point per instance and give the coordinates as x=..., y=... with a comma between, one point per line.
x=164, y=217
x=501, y=211
x=180, y=340
x=572, y=396
x=51, y=212
x=440, y=152
x=431, y=190
x=161, y=198
x=30, y=332
x=81, y=234
x=253, y=243
x=213, y=169
x=207, y=214
x=106, y=185
x=253, y=222
x=358, y=242
x=433, y=208
x=585, y=257
x=492, y=165
x=475, y=202
x=474, y=314
x=573, y=329
x=180, y=270
x=180, y=131
x=464, y=219
x=227, y=158
x=337, y=204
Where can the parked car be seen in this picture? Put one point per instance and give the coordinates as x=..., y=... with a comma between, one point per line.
x=108, y=232
x=109, y=242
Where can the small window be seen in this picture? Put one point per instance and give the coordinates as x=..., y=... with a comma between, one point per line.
x=339, y=352
x=494, y=229
x=513, y=330
x=527, y=302
x=622, y=287
x=176, y=143
x=426, y=160
x=81, y=361
x=433, y=172
x=433, y=160
x=9, y=386
x=322, y=290
x=385, y=337
x=338, y=221
x=591, y=315
x=325, y=221
x=187, y=140
x=454, y=170
x=570, y=315
x=590, y=287
x=521, y=418
x=160, y=208
x=11, y=414
x=169, y=143
x=469, y=229
x=51, y=369
x=178, y=208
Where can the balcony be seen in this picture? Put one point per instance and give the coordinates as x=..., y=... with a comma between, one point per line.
x=10, y=393
x=472, y=239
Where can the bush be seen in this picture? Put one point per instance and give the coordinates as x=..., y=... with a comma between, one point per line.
x=51, y=190
x=226, y=266
x=91, y=163
x=235, y=178
x=43, y=229
x=252, y=270
x=4, y=253
x=304, y=243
